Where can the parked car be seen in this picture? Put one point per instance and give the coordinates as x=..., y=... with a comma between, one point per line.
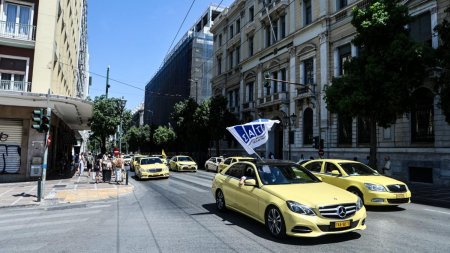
x=182, y=163
x=233, y=159
x=288, y=199
x=374, y=189
x=213, y=163
x=151, y=167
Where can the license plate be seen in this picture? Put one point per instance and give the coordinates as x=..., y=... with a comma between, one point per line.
x=400, y=195
x=342, y=224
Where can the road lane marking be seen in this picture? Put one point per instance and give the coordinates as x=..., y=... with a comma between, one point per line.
x=436, y=211
x=6, y=192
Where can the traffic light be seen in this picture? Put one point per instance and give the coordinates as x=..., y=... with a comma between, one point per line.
x=316, y=142
x=266, y=80
x=37, y=119
x=45, y=122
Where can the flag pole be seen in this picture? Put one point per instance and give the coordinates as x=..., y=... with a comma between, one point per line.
x=256, y=153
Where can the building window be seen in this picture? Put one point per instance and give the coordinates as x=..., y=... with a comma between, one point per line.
x=250, y=46
x=250, y=89
x=231, y=31
x=282, y=27
x=12, y=74
x=308, y=77
x=363, y=131
x=307, y=12
x=251, y=14
x=236, y=98
x=344, y=54
x=308, y=126
x=18, y=19
x=275, y=31
x=220, y=40
x=268, y=87
x=230, y=60
x=230, y=99
x=268, y=36
x=283, y=77
x=422, y=116
x=219, y=65
x=238, y=26
x=340, y=4
x=238, y=55
x=344, y=129
x=420, y=28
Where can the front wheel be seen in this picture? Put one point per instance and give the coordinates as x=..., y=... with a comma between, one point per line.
x=275, y=223
x=220, y=201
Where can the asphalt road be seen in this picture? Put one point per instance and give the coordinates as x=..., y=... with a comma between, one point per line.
x=179, y=215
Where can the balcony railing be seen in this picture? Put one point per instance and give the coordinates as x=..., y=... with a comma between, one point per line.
x=15, y=85
x=17, y=31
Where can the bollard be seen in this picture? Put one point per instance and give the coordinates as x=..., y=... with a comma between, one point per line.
x=126, y=178
x=39, y=190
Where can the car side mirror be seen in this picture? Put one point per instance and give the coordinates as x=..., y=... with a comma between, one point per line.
x=335, y=173
x=250, y=182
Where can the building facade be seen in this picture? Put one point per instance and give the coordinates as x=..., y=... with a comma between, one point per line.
x=305, y=43
x=43, y=64
x=186, y=72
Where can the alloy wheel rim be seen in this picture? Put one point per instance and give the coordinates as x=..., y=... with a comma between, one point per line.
x=219, y=200
x=274, y=221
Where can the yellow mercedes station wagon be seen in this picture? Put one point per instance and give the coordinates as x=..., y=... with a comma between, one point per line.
x=288, y=199
x=373, y=188
x=151, y=167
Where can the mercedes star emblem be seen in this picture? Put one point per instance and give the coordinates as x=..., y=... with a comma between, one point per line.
x=341, y=212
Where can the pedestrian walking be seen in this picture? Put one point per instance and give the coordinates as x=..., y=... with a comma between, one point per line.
x=387, y=166
x=97, y=168
x=118, y=167
x=82, y=163
x=107, y=169
x=90, y=163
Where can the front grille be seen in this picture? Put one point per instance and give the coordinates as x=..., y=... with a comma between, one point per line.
x=329, y=228
x=188, y=167
x=154, y=170
x=340, y=211
x=398, y=201
x=397, y=188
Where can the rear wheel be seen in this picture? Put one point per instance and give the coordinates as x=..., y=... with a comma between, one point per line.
x=275, y=222
x=220, y=201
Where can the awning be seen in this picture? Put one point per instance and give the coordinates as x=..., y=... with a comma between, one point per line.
x=74, y=112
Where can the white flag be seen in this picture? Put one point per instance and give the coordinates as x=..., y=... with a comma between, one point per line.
x=252, y=134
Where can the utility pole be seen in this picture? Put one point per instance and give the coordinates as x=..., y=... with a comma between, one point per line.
x=46, y=143
x=107, y=81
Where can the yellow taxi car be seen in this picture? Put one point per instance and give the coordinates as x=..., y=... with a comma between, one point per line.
x=183, y=163
x=233, y=159
x=288, y=199
x=151, y=167
x=160, y=157
x=374, y=189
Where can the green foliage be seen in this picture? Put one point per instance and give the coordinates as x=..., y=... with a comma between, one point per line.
x=163, y=135
x=105, y=119
x=443, y=65
x=220, y=118
x=136, y=137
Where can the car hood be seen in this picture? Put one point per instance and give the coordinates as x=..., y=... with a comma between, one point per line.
x=382, y=180
x=153, y=166
x=311, y=194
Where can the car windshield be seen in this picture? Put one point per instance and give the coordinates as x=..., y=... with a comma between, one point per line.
x=358, y=169
x=153, y=160
x=285, y=174
x=184, y=159
x=127, y=157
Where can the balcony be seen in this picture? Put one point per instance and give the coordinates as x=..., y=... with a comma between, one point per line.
x=305, y=92
x=275, y=6
x=235, y=40
x=16, y=34
x=248, y=106
x=7, y=85
x=273, y=99
x=250, y=28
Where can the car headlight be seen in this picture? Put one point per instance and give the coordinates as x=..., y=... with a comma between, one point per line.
x=375, y=187
x=359, y=204
x=299, y=208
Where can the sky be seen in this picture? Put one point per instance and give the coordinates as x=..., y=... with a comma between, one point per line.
x=133, y=37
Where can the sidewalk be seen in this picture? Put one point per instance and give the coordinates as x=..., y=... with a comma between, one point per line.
x=60, y=191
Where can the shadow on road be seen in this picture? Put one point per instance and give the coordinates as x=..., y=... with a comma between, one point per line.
x=232, y=218
x=385, y=208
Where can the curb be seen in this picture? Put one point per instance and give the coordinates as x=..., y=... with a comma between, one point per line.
x=21, y=206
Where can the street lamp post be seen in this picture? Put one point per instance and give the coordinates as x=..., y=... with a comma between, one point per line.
x=121, y=104
x=290, y=121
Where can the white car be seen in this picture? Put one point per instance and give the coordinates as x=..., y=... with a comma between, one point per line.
x=213, y=163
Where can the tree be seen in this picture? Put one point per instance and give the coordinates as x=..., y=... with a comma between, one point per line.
x=164, y=135
x=376, y=85
x=219, y=119
x=185, y=127
x=105, y=119
x=136, y=137
x=443, y=65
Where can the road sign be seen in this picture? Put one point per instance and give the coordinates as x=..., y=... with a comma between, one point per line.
x=321, y=152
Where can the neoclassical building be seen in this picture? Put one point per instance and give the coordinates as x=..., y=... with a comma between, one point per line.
x=305, y=43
